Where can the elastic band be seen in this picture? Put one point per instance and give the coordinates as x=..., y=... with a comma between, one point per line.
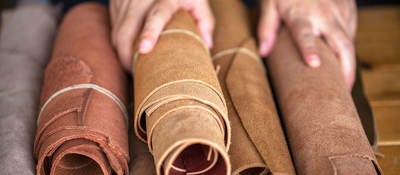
x=102, y=90
x=176, y=31
x=186, y=32
x=237, y=50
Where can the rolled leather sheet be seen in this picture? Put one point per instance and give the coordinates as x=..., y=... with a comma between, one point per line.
x=25, y=43
x=82, y=122
x=325, y=134
x=180, y=110
x=258, y=142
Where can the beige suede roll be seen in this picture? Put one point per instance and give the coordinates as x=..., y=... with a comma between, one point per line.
x=179, y=106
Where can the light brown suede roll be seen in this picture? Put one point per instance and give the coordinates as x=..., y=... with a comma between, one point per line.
x=258, y=142
x=179, y=106
x=82, y=127
x=324, y=131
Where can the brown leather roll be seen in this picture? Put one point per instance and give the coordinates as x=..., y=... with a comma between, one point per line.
x=258, y=142
x=82, y=127
x=179, y=107
x=324, y=131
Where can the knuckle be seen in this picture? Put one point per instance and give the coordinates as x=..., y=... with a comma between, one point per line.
x=347, y=46
x=163, y=7
x=348, y=43
x=156, y=11
x=148, y=35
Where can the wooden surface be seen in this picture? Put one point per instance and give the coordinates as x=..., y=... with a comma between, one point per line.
x=382, y=85
x=388, y=124
x=378, y=36
x=378, y=49
x=390, y=163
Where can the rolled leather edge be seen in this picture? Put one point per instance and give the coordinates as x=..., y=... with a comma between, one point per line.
x=171, y=141
x=320, y=119
x=84, y=124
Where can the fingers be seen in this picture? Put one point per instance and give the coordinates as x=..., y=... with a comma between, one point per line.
x=268, y=26
x=157, y=18
x=113, y=13
x=346, y=15
x=304, y=36
x=125, y=29
x=308, y=20
x=129, y=17
x=343, y=46
x=200, y=9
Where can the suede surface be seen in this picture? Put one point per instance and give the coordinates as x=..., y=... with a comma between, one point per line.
x=256, y=129
x=324, y=131
x=180, y=110
x=24, y=50
x=83, y=130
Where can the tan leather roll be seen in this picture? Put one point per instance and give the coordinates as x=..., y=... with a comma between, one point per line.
x=82, y=124
x=324, y=131
x=179, y=106
x=258, y=142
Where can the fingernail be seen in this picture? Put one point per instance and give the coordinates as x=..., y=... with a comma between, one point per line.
x=209, y=41
x=314, y=61
x=263, y=48
x=349, y=82
x=145, y=46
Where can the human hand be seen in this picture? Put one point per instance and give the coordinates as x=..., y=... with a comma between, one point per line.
x=333, y=20
x=144, y=20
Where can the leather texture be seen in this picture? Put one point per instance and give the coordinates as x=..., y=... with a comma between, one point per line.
x=83, y=130
x=24, y=50
x=258, y=142
x=324, y=131
x=180, y=110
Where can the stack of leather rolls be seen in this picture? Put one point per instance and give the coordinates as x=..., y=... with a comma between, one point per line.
x=199, y=112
